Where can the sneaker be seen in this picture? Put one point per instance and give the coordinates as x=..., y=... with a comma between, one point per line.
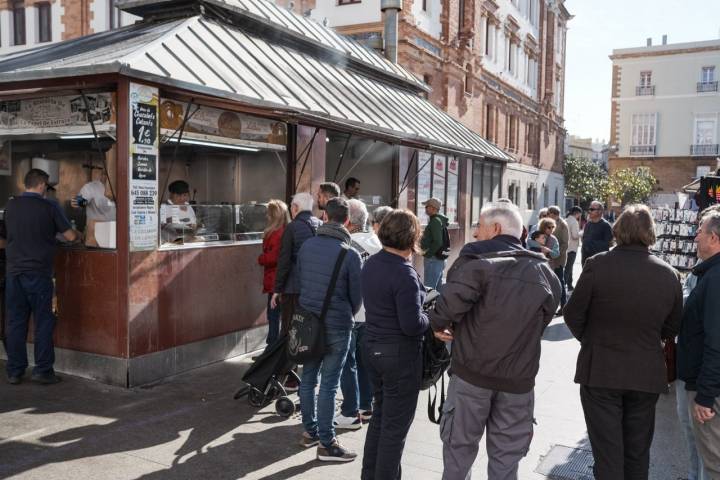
x=45, y=378
x=335, y=453
x=365, y=415
x=348, y=423
x=308, y=441
x=14, y=379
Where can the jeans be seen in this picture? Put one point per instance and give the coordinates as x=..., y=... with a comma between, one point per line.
x=273, y=317
x=395, y=371
x=560, y=274
x=26, y=293
x=572, y=256
x=354, y=383
x=433, y=274
x=318, y=416
x=696, y=470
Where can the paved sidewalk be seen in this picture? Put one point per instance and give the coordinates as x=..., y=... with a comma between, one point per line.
x=189, y=427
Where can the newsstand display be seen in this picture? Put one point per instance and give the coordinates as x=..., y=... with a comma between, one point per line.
x=675, y=229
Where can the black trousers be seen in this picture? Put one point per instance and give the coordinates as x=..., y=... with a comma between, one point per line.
x=569, y=269
x=620, y=425
x=395, y=372
x=560, y=274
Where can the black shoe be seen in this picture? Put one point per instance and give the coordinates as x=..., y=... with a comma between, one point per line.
x=46, y=378
x=14, y=379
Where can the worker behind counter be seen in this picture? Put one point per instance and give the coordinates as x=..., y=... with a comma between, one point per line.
x=177, y=217
x=96, y=198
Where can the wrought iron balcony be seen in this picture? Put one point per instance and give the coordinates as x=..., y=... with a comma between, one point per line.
x=642, y=150
x=704, y=150
x=703, y=87
x=645, y=90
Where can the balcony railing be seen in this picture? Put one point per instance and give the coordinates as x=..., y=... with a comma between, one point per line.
x=645, y=90
x=642, y=150
x=703, y=87
x=704, y=150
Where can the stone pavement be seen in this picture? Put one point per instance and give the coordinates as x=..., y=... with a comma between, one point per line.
x=189, y=427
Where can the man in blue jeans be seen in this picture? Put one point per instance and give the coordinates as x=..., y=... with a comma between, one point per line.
x=432, y=244
x=316, y=263
x=31, y=223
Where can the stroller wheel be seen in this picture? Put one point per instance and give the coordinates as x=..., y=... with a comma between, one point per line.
x=256, y=397
x=284, y=407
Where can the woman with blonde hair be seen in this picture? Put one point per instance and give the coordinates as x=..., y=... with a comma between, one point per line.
x=277, y=218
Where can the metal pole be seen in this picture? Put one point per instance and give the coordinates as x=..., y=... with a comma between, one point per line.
x=391, y=9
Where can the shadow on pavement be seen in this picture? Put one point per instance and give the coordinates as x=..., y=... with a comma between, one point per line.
x=558, y=332
x=192, y=414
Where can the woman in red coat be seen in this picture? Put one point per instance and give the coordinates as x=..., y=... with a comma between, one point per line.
x=277, y=218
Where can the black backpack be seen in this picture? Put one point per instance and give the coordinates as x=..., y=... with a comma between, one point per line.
x=436, y=360
x=444, y=252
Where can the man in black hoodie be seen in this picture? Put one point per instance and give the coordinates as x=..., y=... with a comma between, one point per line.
x=495, y=305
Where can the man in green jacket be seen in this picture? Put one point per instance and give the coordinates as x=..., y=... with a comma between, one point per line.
x=432, y=244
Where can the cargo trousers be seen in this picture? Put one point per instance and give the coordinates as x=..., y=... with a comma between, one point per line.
x=469, y=410
x=707, y=438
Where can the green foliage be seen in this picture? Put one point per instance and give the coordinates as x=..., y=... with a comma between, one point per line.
x=584, y=179
x=630, y=186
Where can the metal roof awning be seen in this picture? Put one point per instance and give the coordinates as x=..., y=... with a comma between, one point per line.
x=207, y=55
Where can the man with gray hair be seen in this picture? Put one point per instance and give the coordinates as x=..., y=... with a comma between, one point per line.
x=496, y=303
x=597, y=235
x=354, y=382
x=699, y=345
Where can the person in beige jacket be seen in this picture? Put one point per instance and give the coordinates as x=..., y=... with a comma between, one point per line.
x=558, y=264
x=573, y=223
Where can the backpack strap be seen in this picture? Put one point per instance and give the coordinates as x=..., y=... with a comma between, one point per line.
x=435, y=414
x=333, y=280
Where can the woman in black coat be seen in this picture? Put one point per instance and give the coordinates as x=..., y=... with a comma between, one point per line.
x=625, y=303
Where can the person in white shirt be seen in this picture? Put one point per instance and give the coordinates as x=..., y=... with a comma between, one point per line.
x=573, y=222
x=95, y=197
x=354, y=381
x=177, y=217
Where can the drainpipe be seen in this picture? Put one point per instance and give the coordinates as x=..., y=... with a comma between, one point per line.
x=391, y=9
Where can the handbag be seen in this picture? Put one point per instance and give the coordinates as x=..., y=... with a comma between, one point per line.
x=670, y=357
x=306, y=337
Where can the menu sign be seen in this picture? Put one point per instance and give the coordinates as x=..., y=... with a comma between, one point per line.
x=424, y=183
x=144, y=150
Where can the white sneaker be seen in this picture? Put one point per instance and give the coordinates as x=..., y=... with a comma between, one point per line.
x=347, y=423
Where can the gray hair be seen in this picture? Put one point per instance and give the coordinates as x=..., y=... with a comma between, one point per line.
x=358, y=213
x=304, y=201
x=380, y=213
x=506, y=215
x=711, y=223
x=599, y=204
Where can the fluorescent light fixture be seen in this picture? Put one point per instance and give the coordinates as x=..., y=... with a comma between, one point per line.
x=229, y=146
x=78, y=136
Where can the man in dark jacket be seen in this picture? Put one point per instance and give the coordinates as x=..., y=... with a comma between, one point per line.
x=495, y=308
x=432, y=244
x=302, y=227
x=597, y=235
x=316, y=263
x=32, y=223
x=699, y=345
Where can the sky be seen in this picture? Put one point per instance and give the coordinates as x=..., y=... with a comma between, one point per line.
x=599, y=27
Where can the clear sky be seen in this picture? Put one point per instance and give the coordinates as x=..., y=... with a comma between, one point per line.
x=600, y=26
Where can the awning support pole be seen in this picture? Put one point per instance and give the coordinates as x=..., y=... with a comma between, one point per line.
x=342, y=157
x=186, y=118
x=306, y=151
x=97, y=144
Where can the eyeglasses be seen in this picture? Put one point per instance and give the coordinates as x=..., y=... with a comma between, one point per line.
x=594, y=209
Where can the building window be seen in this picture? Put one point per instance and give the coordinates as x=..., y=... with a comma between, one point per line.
x=490, y=120
x=428, y=81
x=646, y=87
x=707, y=81
x=557, y=196
x=468, y=80
x=44, y=22
x=644, y=127
x=489, y=39
x=530, y=196
x=512, y=140
x=642, y=171
x=702, y=171
x=347, y=2
x=438, y=178
x=511, y=56
x=514, y=192
x=424, y=5
x=705, y=136
x=461, y=16
x=546, y=196
x=487, y=179
x=708, y=74
x=18, y=23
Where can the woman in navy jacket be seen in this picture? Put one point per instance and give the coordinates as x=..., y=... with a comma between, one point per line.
x=393, y=296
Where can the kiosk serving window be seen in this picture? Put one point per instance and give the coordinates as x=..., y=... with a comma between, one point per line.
x=226, y=165
x=437, y=178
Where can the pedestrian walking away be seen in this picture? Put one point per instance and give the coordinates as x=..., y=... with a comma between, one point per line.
x=31, y=224
x=621, y=367
x=314, y=274
x=699, y=345
x=494, y=307
x=432, y=245
x=562, y=233
x=393, y=296
x=573, y=222
x=597, y=235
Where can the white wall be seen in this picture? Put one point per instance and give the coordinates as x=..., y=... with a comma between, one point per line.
x=428, y=21
x=676, y=101
x=368, y=11
x=524, y=176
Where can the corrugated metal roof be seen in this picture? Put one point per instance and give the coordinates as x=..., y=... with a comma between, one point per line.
x=209, y=56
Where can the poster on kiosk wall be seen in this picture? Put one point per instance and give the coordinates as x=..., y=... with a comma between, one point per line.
x=144, y=147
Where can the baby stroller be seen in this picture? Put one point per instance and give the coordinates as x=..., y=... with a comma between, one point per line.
x=266, y=377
